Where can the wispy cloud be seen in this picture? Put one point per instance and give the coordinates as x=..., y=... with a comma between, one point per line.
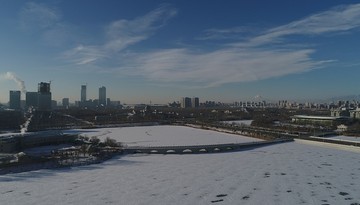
x=35, y=16
x=235, y=33
x=242, y=60
x=338, y=19
x=219, y=67
x=247, y=60
x=121, y=34
x=45, y=21
x=82, y=55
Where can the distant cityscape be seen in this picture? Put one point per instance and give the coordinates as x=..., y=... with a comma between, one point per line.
x=42, y=101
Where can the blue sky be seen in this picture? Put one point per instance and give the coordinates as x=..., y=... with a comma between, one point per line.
x=159, y=51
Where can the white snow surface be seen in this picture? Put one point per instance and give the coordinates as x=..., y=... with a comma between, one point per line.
x=164, y=136
x=287, y=173
x=239, y=122
x=344, y=138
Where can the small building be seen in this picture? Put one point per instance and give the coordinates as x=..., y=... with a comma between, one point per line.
x=342, y=128
x=340, y=112
x=320, y=120
x=355, y=113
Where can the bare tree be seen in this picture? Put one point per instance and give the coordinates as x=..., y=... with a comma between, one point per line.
x=110, y=142
x=94, y=140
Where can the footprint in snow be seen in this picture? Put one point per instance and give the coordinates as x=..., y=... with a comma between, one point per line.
x=343, y=193
x=27, y=193
x=266, y=175
x=217, y=200
x=7, y=192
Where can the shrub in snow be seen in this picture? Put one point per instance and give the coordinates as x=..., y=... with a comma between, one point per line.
x=112, y=143
x=94, y=140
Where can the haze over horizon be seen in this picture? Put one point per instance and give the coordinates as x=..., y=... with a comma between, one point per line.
x=159, y=51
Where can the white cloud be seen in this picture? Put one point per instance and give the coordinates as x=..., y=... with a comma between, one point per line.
x=240, y=61
x=84, y=54
x=338, y=19
x=36, y=16
x=121, y=34
x=341, y=18
x=45, y=22
x=219, y=67
x=249, y=60
x=235, y=33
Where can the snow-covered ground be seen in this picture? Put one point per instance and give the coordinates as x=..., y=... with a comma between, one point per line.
x=239, y=122
x=342, y=138
x=288, y=173
x=164, y=136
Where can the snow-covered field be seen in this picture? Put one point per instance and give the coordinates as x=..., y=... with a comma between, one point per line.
x=288, y=173
x=164, y=136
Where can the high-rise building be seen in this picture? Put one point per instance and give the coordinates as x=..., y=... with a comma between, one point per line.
x=31, y=99
x=102, y=96
x=65, y=102
x=53, y=104
x=44, y=96
x=108, y=102
x=195, y=102
x=14, y=102
x=185, y=102
x=83, y=93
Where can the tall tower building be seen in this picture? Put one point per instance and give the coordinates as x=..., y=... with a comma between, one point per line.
x=14, y=101
x=44, y=96
x=102, y=96
x=31, y=99
x=83, y=93
x=185, y=102
x=195, y=102
x=65, y=102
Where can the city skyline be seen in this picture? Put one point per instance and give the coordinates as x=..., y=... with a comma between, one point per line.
x=144, y=51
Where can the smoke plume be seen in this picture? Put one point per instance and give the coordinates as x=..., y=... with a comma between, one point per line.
x=19, y=82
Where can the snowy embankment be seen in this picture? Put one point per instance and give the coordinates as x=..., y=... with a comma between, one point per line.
x=289, y=173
